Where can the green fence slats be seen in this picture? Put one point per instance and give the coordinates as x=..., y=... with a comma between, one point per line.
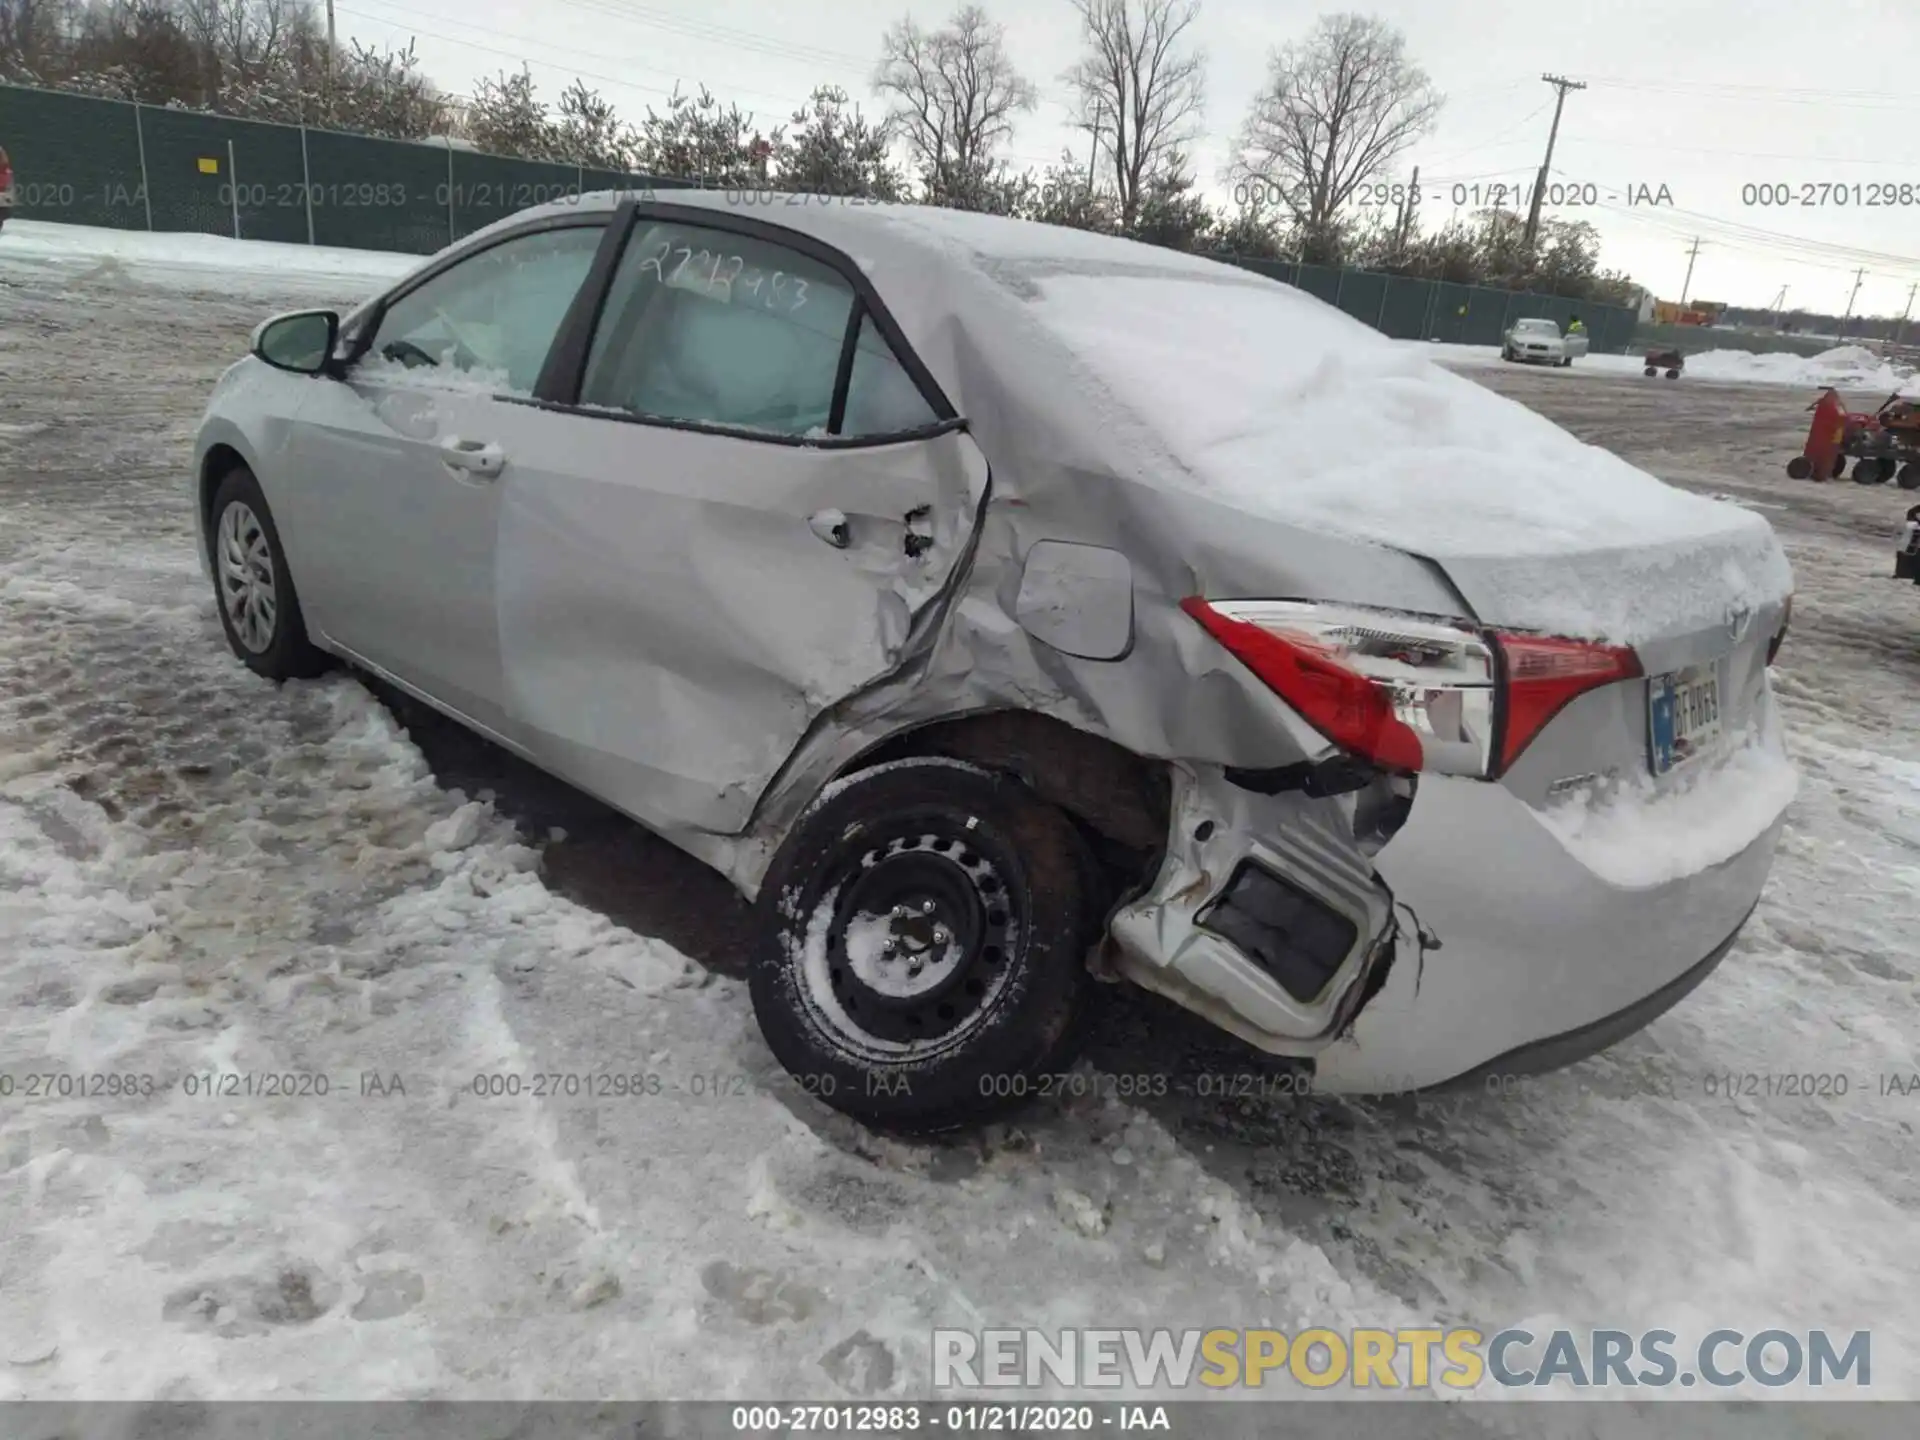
x=78, y=159
x=204, y=168
x=1403, y=310
x=379, y=194
x=1361, y=293
x=75, y=159
x=1320, y=281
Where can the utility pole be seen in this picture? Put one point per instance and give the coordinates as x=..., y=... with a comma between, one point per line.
x=1900, y=330
x=1411, y=203
x=1687, y=284
x=330, y=44
x=1779, y=301
x=1859, y=277
x=1533, y=211
x=1093, y=160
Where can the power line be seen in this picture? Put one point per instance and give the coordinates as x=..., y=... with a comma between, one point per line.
x=1769, y=94
x=1499, y=138
x=625, y=61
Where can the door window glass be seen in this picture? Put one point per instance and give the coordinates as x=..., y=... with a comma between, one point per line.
x=721, y=329
x=881, y=397
x=491, y=318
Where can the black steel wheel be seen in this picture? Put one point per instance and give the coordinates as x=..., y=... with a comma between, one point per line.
x=922, y=950
x=1909, y=476
x=1799, y=468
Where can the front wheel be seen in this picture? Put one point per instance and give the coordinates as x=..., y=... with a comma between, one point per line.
x=921, y=959
x=254, y=591
x=1909, y=476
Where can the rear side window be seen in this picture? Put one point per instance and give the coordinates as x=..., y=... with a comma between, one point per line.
x=493, y=315
x=717, y=328
x=881, y=397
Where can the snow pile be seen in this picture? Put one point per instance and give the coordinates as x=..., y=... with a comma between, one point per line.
x=1845, y=367
x=1638, y=838
x=102, y=254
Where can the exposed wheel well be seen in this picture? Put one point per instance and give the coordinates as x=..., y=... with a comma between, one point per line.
x=1119, y=801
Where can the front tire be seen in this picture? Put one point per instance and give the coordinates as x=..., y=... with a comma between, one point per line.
x=921, y=959
x=253, y=589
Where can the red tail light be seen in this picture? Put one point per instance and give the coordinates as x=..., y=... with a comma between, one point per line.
x=1544, y=675
x=1406, y=692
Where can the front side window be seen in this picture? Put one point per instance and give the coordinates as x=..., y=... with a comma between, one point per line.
x=719, y=329
x=493, y=316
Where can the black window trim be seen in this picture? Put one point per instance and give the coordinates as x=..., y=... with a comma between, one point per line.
x=561, y=380
x=604, y=220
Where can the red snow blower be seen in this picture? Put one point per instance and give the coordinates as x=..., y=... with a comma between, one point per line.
x=1881, y=442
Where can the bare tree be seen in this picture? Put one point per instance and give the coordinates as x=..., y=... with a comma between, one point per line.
x=954, y=93
x=28, y=30
x=244, y=40
x=1337, y=109
x=1139, y=89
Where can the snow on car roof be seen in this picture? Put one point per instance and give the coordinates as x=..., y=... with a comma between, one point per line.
x=1284, y=406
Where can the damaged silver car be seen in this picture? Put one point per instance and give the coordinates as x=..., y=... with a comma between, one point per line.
x=1007, y=608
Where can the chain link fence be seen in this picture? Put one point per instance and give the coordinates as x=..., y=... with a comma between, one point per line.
x=89, y=161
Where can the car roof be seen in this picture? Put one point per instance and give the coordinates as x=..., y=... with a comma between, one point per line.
x=923, y=230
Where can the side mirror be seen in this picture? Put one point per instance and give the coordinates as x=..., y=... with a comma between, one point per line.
x=302, y=341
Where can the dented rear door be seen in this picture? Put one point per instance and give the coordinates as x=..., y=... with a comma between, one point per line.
x=677, y=606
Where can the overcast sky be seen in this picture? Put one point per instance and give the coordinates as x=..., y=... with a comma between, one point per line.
x=1703, y=97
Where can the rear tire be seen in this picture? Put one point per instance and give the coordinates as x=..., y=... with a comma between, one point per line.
x=1909, y=477
x=252, y=587
x=921, y=957
x=1652, y=371
x=1671, y=374
x=1799, y=468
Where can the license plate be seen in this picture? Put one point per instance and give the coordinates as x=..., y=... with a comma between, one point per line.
x=1683, y=715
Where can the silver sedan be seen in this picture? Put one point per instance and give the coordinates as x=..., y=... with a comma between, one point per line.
x=1005, y=608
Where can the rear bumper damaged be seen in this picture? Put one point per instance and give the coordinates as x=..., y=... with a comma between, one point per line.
x=1266, y=917
x=1471, y=941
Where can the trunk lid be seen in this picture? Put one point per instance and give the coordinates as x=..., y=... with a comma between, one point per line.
x=1260, y=398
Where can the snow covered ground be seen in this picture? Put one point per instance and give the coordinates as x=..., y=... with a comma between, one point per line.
x=1852, y=367
x=201, y=874
x=76, y=253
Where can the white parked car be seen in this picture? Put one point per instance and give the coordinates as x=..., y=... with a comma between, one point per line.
x=1540, y=342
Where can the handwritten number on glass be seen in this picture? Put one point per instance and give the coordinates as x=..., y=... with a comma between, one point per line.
x=716, y=272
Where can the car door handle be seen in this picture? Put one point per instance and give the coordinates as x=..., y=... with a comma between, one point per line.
x=477, y=457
